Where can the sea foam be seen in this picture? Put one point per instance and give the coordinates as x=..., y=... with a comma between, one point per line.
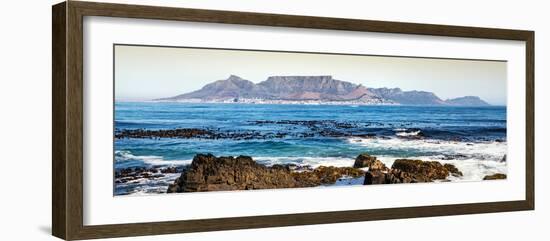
x=474, y=160
x=122, y=157
x=306, y=161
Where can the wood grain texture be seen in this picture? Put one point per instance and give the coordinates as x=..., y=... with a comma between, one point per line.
x=74, y=122
x=530, y=120
x=59, y=193
x=138, y=229
x=67, y=137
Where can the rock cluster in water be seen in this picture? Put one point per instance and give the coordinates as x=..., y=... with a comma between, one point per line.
x=286, y=128
x=410, y=171
x=210, y=173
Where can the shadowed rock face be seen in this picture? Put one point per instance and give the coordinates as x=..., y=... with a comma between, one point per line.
x=432, y=170
x=366, y=160
x=316, y=88
x=495, y=176
x=325, y=175
x=210, y=173
x=411, y=171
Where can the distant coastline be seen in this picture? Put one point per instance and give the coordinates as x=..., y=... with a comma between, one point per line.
x=283, y=102
x=276, y=102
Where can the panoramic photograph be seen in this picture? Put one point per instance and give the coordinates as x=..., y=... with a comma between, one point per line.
x=201, y=119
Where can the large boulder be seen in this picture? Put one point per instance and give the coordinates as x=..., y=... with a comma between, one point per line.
x=366, y=160
x=495, y=176
x=410, y=171
x=393, y=176
x=210, y=173
x=374, y=177
x=453, y=170
x=430, y=169
x=324, y=175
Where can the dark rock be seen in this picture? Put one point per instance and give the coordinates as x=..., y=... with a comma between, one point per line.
x=172, y=169
x=306, y=179
x=366, y=160
x=410, y=171
x=329, y=175
x=302, y=168
x=281, y=167
x=325, y=175
x=133, y=174
x=375, y=177
x=170, y=133
x=393, y=176
x=495, y=176
x=430, y=169
x=368, y=135
x=453, y=170
x=210, y=173
x=503, y=158
x=454, y=157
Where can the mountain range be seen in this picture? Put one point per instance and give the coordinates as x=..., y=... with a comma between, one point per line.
x=313, y=89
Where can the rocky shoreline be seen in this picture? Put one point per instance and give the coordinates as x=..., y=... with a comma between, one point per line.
x=210, y=173
x=134, y=174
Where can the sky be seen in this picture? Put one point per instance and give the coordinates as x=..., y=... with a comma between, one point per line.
x=144, y=72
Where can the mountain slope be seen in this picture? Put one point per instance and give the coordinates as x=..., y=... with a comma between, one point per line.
x=314, y=88
x=408, y=97
x=467, y=101
x=232, y=87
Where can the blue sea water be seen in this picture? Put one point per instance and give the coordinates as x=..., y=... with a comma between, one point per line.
x=467, y=136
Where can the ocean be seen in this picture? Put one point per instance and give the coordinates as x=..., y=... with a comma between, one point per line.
x=471, y=138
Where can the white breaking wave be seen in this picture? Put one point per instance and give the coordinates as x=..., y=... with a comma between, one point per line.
x=404, y=133
x=124, y=156
x=399, y=129
x=491, y=151
x=472, y=169
x=146, y=186
x=474, y=160
x=303, y=161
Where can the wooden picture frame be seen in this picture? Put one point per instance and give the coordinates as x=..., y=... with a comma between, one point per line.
x=67, y=123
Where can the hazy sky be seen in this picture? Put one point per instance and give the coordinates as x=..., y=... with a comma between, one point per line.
x=154, y=72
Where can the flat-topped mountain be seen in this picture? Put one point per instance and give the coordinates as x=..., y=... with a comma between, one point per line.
x=318, y=89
